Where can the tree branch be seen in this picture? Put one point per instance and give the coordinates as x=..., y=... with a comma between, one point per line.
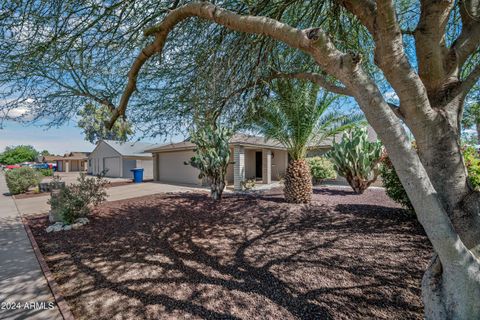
x=431, y=49
x=315, y=78
x=467, y=84
x=469, y=39
x=390, y=57
x=313, y=41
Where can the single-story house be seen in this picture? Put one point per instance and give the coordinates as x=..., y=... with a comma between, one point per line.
x=252, y=157
x=70, y=162
x=118, y=158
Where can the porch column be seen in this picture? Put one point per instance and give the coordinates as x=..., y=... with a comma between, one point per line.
x=238, y=167
x=267, y=166
x=67, y=166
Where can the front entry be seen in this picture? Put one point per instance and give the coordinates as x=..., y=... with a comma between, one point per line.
x=258, y=164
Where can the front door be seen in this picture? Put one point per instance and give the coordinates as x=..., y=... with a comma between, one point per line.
x=258, y=164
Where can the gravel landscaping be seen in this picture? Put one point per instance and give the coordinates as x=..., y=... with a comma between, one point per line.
x=181, y=256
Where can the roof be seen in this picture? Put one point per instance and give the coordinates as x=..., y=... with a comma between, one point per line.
x=254, y=141
x=237, y=139
x=131, y=149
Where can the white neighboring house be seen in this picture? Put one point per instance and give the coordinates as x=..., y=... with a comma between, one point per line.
x=118, y=158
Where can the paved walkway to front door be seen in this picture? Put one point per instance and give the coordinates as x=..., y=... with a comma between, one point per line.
x=24, y=292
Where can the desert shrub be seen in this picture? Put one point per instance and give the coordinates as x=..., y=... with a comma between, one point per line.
x=21, y=179
x=357, y=159
x=46, y=172
x=472, y=162
x=321, y=169
x=74, y=201
x=392, y=184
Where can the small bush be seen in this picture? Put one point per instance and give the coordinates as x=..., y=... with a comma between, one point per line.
x=321, y=169
x=46, y=172
x=21, y=179
x=248, y=184
x=74, y=201
x=472, y=162
x=392, y=184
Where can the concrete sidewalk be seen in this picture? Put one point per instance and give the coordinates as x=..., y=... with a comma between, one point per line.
x=22, y=283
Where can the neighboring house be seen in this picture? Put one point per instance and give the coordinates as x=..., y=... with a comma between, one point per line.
x=118, y=158
x=71, y=162
x=48, y=159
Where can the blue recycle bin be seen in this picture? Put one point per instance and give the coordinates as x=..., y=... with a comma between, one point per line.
x=137, y=175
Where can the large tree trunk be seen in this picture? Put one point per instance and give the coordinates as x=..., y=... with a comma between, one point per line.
x=436, y=182
x=298, y=182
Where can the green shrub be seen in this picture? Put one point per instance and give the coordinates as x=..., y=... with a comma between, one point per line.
x=21, y=179
x=472, y=162
x=392, y=184
x=397, y=193
x=321, y=169
x=74, y=201
x=46, y=172
x=357, y=159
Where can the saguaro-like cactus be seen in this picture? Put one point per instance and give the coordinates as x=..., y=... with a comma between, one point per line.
x=357, y=159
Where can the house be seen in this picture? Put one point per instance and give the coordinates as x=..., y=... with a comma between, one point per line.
x=253, y=158
x=70, y=162
x=118, y=158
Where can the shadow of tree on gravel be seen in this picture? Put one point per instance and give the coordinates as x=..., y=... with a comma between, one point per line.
x=247, y=257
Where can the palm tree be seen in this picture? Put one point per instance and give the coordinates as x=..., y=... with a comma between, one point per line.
x=295, y=114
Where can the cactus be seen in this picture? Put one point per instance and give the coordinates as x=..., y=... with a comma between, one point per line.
x=357, y=159
x=212, y=156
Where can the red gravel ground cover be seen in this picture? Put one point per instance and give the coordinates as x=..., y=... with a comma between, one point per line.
x=180, y=256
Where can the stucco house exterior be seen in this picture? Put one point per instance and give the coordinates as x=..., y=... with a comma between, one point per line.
x=118, y=158
x=253, y=157
x=74, y=161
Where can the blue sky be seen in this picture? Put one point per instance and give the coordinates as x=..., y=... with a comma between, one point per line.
x=56, y=140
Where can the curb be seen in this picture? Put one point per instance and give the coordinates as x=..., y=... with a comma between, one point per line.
x=52, y=284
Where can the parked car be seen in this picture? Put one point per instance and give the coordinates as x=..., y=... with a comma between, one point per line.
x=41, y=166
x=12, y=166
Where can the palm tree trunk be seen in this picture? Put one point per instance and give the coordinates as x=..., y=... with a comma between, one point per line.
x=298, y=182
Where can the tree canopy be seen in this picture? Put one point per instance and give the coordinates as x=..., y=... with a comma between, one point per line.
x=18, y=154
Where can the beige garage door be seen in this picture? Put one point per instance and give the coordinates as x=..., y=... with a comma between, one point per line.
x=112, y=165
x=171, y=168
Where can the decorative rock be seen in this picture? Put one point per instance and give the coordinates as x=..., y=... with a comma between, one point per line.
x=67, y=227
x=76, y=225
x=82, y=221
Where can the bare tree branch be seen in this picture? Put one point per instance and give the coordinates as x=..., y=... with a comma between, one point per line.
x=390, y=57
x=467, y=84
x=431, y=49
x=469, y=39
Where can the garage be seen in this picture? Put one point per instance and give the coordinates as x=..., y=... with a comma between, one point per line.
x=171, y=168
x=112, y=166
x=119, y=158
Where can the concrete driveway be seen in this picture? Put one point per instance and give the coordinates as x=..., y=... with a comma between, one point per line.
x=71, y=177
x=38, y=205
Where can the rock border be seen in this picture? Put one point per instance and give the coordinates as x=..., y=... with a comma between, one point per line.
x=62, y=304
